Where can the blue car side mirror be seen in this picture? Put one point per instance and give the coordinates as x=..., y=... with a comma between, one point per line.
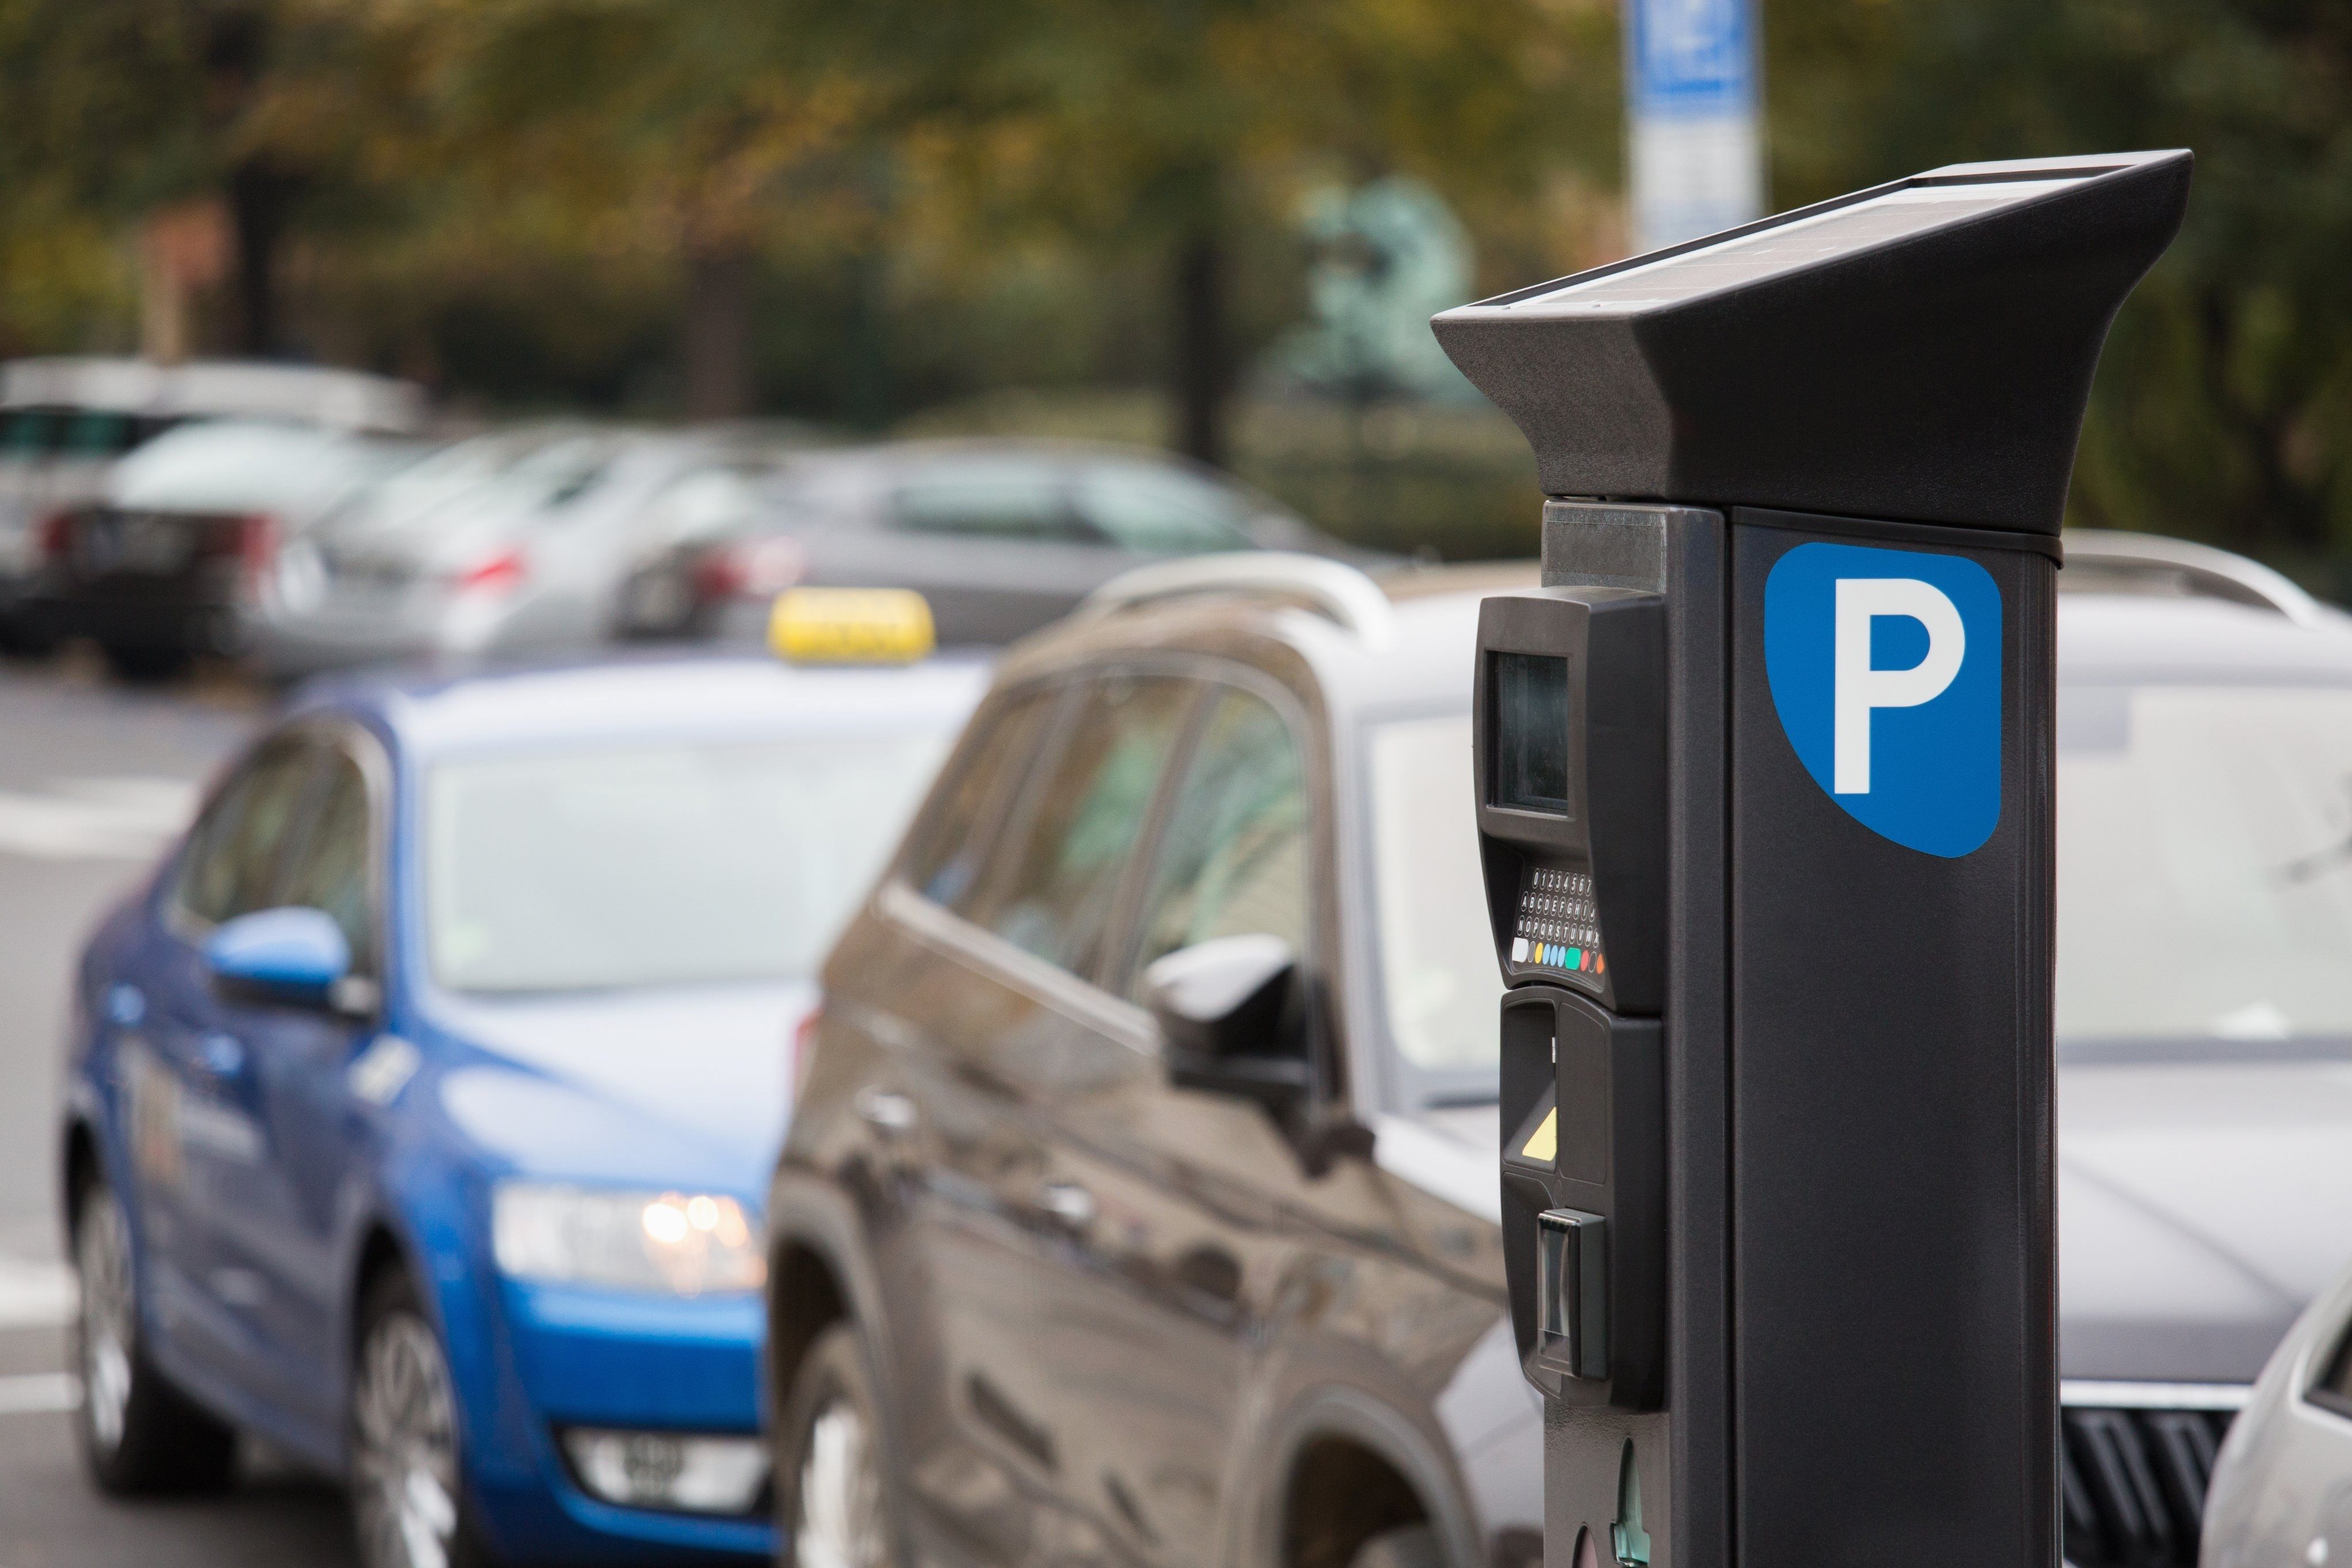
x=296, y=955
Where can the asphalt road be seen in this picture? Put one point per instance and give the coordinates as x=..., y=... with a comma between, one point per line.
x=94, y=781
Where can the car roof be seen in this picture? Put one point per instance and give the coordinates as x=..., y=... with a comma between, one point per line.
x=652, y=697
x=1418, y=662
x=2142, y=638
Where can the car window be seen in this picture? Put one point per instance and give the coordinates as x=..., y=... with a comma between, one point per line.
x=659, y=863
x=1159, y=511
x=233, y=854
x=329, y=871
x=952, y=843
x=1235, y=858
x=1051, y=888
x=95, y=432
x=28, y=431
x=2334, y=1388
x=2204, y=877
x=1438, y=978
x=991, y=500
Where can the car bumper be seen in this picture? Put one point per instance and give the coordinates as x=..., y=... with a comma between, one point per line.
x=615, y=1362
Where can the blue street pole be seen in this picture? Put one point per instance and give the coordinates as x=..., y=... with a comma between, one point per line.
x=1695, y=152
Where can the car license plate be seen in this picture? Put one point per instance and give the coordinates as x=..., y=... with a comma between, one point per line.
x=133, y=542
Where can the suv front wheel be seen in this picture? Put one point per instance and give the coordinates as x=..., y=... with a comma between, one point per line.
x=831, y=1490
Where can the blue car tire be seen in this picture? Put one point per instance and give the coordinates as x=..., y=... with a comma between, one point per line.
x=407, y=1477
x=140, y=1435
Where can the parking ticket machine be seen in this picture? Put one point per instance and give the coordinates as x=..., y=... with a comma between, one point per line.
x=1763, y=777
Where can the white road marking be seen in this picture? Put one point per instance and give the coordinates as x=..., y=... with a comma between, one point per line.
x=39, y=1393
x=35, y=1294
x=118, y=817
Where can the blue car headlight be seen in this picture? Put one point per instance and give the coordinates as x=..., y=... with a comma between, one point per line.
x=674, y=1243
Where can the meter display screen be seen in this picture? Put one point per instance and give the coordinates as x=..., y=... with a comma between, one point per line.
x=1558, y=925
x=1531, y=721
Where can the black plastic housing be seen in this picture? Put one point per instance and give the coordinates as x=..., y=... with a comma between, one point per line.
x=1614, y=827
x=1937, y=375
x=1604, y=1086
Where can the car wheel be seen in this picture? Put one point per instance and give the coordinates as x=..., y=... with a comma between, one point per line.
x=407, y=1497
x=1412, y=1546
x=140, y=1435
x=832, y=1505
x=143, y=664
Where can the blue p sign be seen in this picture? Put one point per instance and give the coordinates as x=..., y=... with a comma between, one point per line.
x=1885, y=671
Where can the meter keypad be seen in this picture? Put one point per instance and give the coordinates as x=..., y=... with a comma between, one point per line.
x=1558, y=927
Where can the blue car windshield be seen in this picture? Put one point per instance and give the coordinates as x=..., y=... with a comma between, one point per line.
x=658, y=864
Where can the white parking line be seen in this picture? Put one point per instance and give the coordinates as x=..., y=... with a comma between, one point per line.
x=35, y=1294
x=39, y=1393
x=119, y=818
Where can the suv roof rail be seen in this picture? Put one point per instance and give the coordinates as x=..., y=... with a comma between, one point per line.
x=1332, y=588
x=2199, y=570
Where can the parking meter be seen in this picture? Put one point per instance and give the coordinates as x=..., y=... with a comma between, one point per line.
x=1763, y=780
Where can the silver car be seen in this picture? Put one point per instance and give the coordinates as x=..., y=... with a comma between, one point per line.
x=64, y=423
x=520, y=541
x=2283, y=1495
x=1002, y=536
x=2204, y=1013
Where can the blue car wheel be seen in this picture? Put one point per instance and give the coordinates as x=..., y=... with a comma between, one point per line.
x=407, y=1492
x=140, y=1435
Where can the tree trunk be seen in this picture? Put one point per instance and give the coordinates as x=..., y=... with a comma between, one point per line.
x=258, y=199
x=1204, y=380
x=718, y=331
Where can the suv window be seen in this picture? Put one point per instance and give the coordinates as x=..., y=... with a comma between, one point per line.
x=1050, y=891
x=1235, y=859
x=991, y=500
x=952, y=844
x=1157, y=511
x=330, y=871
x=233, y=858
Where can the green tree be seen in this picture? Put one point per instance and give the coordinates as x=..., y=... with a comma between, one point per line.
x=2223, y=407
x=1173, y=127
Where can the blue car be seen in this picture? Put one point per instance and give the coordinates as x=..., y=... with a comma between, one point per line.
x=421, y=1107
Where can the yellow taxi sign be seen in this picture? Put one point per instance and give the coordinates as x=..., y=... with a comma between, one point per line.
x=850, y=625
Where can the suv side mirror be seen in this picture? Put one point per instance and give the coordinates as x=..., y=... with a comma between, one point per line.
x=294, y=955
x=1229, y=1010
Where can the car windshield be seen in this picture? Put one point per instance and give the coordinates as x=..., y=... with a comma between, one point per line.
x=1439, y=980
x=658, y=864
x=2204, y=869
x=511, y=474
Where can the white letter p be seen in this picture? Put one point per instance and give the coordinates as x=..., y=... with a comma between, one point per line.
x=1859, y=688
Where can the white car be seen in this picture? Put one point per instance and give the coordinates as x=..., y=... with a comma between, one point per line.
x=2283, y=1495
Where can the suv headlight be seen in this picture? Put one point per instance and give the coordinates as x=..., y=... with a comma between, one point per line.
x=682, y=1244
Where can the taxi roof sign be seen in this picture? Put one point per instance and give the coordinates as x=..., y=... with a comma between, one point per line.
x=851, y=626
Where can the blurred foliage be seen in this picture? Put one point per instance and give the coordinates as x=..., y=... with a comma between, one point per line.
x=857, y=212
x=2223, y=406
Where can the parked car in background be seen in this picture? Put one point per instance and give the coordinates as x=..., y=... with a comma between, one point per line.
x=65, y=422
x=419, y=1107
x=524, y=541
x=2283, y=1492
x=183, y=554
x=1002, y=536
x=1061, y=1251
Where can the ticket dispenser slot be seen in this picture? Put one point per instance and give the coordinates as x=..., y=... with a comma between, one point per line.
x=1584, y=1197
x=1570, y=715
